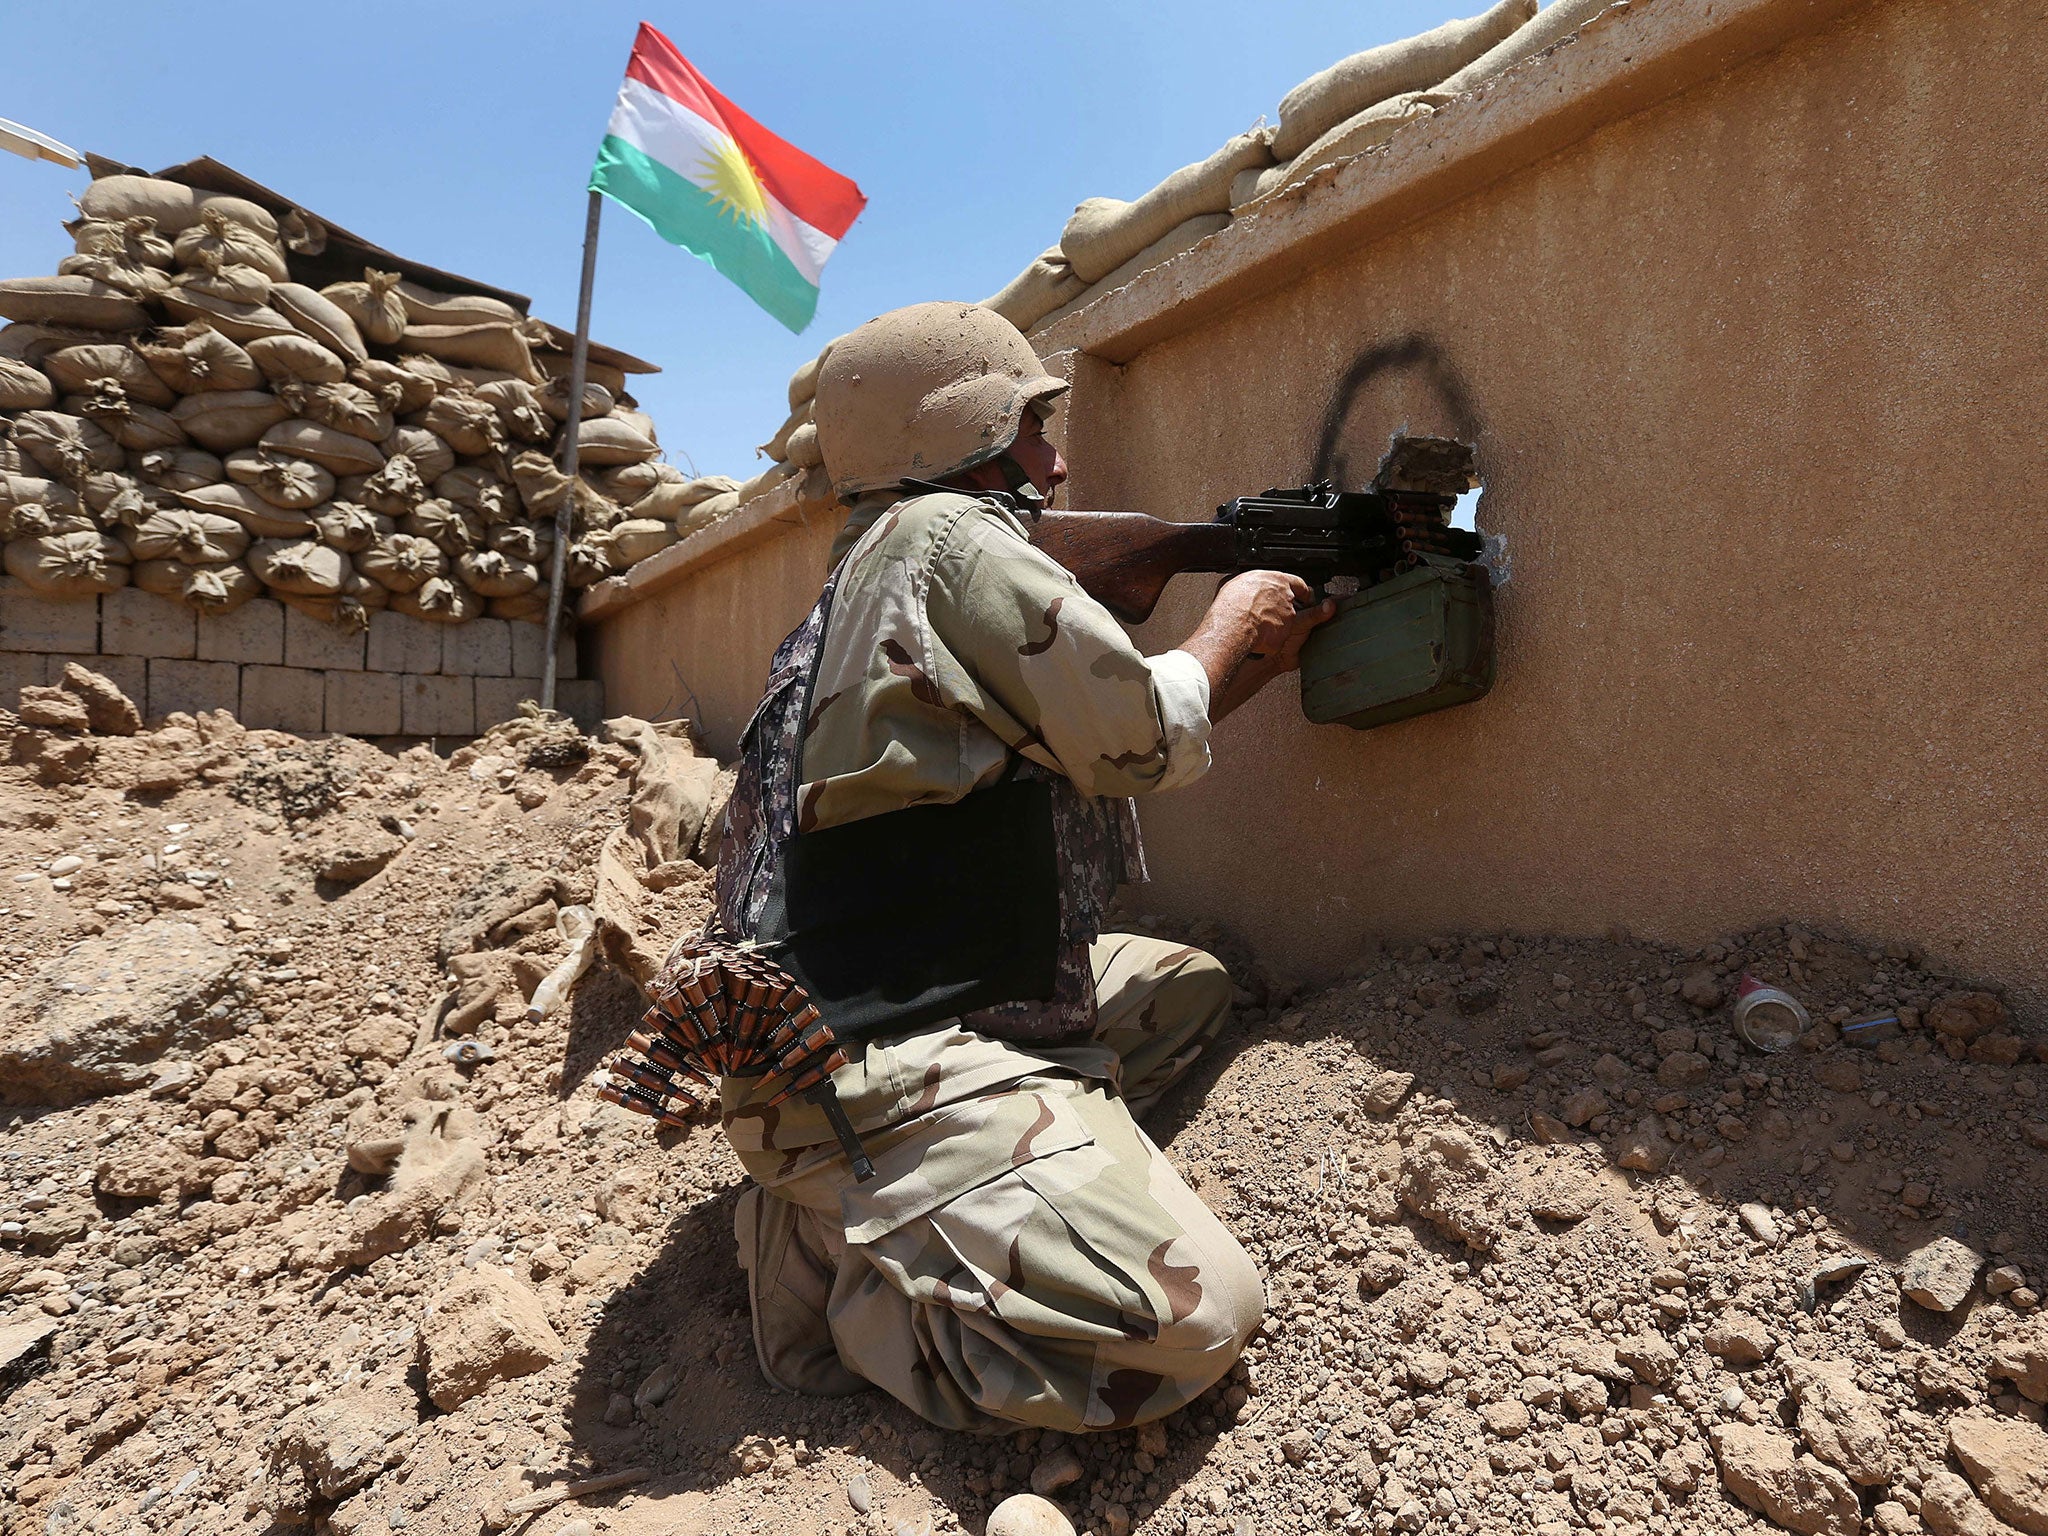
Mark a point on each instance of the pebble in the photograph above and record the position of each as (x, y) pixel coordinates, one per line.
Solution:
(1060, 1470)
(1938, 1275)
(70, 864)
(577, 1528)
(858, 1494)
(1026, 1514)
(1763, 1226)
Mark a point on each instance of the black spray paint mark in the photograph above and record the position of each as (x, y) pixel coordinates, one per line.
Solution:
(1417, 352)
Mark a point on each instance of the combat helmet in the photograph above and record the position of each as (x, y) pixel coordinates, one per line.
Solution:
(925, 392)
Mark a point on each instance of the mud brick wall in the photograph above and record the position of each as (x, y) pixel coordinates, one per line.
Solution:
(275, 668)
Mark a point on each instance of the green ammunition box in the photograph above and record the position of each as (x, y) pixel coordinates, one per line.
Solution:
(1420, 642)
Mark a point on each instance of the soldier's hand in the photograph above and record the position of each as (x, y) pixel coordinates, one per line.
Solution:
(1253, 633)
(1265, 606)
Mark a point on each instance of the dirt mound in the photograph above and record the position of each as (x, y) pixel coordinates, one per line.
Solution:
(1545, 1248)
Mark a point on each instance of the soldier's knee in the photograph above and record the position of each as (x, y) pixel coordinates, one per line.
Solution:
(1199, 987)
(1240, 1295)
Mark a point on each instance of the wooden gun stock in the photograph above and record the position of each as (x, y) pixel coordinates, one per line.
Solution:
(1124, 559)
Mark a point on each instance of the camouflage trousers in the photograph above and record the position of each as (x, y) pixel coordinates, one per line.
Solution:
(1026, 1255)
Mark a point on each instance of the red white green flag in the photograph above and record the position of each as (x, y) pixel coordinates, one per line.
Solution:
(707, 177)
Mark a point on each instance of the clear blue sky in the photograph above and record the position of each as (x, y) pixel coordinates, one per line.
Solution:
(461, 134)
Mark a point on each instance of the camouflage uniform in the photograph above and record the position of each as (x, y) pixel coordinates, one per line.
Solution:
(1026, 1256)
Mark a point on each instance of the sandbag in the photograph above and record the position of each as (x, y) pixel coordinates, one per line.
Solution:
(609, 440)
(69, 447)
(117, 500)
(133, 242)
(463, 422)
(497, 345)
(75, 370)
(320, 318)
(238, 322)
(18, 488)
(1164, 249)
(79, 301)
(345, 407)
(195, 360)
(528, 607)
(30, 341)
(803, 384)
(777, 446)
(522, 541)
(373, 304)
(489, 573)
(175, 206)
(1553, 24)
(636, 538)
(179, 469)
(212, 588)
(137, 428)
(218, 241)
(37, 519)
(430, 455)
(1416, 63)
(24, 387)
(350, 528)
(143, 284)
(589, 561)
(424, 306)
(803, 445)
(671, 498)
(407, 390)
(764, 482)
(295, 358)
(226, 419)
(440, 600)
(399, 562)
(554, 399)
(1354, 136)
(393, 490)
(519, 409)
(69, 565)
(297, 485)
(302, 567)
(478, 490)
(1103, 234)
(706, 513)
(329, 447)
(181, 533)
(244, 505)
(448, 528)
(627, 483)
(232, 282)
(556, 365)
(1049, 282)
(345, 611)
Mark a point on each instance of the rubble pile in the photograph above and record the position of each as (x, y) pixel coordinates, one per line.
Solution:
(181, 414)
(306, 1222)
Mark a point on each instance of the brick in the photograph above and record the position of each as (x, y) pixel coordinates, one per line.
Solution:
(401, 643)
(480, 648)
(497, 698)
(530, 650)
(192, 686)
(138, 623)
(130, 674)
(581, 699)
(253, 632)
(364, 703)
(437, 706)
(316, 644)
(284, 699)
(32, 623)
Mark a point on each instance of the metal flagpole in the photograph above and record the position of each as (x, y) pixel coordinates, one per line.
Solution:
(579, 363)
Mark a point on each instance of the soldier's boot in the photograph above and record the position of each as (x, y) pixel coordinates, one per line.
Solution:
(786, 1253)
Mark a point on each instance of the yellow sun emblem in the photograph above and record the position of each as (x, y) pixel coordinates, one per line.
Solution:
(726, 175)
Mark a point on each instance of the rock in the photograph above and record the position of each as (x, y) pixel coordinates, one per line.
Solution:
(1509, 1419)
(60, 757)
(1548, 1130)
(2004, 1280)
(1152, 1439)
(97, 1019)
(1026, 1514)
(618, 1410)
(630, 1198)
(1649, 1355)
(1739, 1339)
(1646, 1149)
(1683, 1069)
(53, 709)
(1960, 1016)
(1762, 1225)
(1840, 1072)
(1841, 1423)
(1385, 1093)
(1509, 1075)
(335, 1445)
(1765, 1471)
(659, 1386)
(1584, 1105)
(1701, 989)
(1381, 1270)
(1950, 1507)
(1939, 1275)
(1567, 1187)
(861, 1497)
(485, 1327)
(108, 711)
(381, 1037)
(1428, 1369)
(357, 854)
(2022, 1358)
(1060, 1470)
(2006, 1460)
(137, 1168)
(24, 1350)
(1297, 1445)
(1447, 1180)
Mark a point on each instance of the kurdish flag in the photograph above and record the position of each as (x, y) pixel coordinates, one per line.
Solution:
(709, 178)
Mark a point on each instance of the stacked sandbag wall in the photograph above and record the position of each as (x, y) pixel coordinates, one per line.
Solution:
(177, 415)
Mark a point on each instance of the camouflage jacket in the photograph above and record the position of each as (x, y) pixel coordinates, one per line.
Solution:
(951, 646)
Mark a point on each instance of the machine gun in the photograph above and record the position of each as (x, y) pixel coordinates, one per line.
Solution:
(1414, 625)
(1339, 542)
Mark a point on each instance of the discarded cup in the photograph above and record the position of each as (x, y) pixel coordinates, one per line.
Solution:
(1872, 1029)
(469, 1053)
(1769, 1019)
